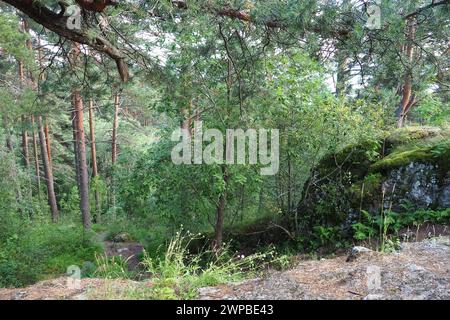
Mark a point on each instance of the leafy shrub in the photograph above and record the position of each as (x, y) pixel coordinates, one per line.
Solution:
(37, 250)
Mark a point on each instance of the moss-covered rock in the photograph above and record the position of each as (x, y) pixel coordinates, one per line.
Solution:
(408, 134)
(408, 169)
(402, 158)
(437, 152)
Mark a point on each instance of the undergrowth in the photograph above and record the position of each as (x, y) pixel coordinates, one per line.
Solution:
(37, 251)
(177, 274)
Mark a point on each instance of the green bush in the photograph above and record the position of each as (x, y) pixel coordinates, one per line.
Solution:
(38, 250)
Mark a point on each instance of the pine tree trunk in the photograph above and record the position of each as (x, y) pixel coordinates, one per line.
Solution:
(47, 141)
(26, 159)
(25, 155)
(36, 158)
(92, 137)
(48, 172)
(35, 85)
(73, 116)
(94, 157)
(82, 163)
(408, 99)
(115, 126)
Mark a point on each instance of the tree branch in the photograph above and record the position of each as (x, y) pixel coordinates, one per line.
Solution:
(431, 5)
(58, 24)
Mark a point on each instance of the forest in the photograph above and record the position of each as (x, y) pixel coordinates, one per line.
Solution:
(168, 149)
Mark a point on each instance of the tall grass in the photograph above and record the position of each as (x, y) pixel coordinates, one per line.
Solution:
(178, 274)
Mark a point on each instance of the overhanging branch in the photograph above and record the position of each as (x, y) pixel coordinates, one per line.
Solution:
(58, 24)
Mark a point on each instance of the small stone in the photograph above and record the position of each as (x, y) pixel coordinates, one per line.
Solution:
(373, 296)
(122, 237)
(355, 252)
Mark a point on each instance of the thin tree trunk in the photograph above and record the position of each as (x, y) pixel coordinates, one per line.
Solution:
(115, 126)
(94, 157)
(47, 141)
(35, 86)
(26, 159)
(92, 137)
(29, 45)
(82, 163)
(25, 155)
(73, 116)
(218, 232)
(48, 172)
(41, 61)
(36, 158)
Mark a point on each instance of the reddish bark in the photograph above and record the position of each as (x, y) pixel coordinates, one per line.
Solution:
(83, 178)
(408, 98)
(48, 172)
(36, 158)
(92, 137)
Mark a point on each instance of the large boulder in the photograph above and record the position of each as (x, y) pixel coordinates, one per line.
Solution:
(408, 170)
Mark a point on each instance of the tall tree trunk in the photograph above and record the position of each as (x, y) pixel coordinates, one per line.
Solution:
(47, 141)
(408, 98)
(94, 157)
(36, 158)
(92, 137)
(82, 163)
(35, 86)
(47, 171)
(115, 126)
(73, 116)
(25, 155)
(40, 61)
(29, 45)
(26, 159)
(220, 211)
(221, 205)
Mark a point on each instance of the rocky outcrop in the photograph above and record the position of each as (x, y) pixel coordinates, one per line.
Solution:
(417, 184)
(406, 171)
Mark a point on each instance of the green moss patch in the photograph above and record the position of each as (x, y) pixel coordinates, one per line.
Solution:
(437, 153)
(398, 159)
(408, 134)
